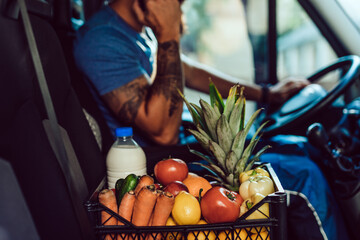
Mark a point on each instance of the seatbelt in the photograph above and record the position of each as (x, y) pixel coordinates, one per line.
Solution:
(71, 169)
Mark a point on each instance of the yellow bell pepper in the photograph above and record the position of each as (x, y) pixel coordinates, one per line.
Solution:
(256, 184)
(262, 212)
(251, 173)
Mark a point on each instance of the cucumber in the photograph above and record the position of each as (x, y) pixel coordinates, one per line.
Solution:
(123, 186)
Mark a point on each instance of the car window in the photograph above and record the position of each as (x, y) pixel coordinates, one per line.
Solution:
(352, 9)
(302, 50)
(216, 35)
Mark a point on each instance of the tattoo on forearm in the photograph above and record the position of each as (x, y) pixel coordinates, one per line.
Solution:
(134, 92)
(169, 74)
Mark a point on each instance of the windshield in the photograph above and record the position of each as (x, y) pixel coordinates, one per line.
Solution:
(352, 9)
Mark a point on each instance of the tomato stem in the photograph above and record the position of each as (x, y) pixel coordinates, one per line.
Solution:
(200, 191)
(230, 196)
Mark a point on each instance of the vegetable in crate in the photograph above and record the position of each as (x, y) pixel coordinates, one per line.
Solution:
(256, 184)
(144, 204)
(219, 205)
(262, 212)
(123, 186)
(108, 199)
(253, 172)
(144, 181)
(170, 170)
(222, 132)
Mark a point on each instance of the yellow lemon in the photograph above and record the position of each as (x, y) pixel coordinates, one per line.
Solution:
(201, 235)
(186, 209)
(172, 235)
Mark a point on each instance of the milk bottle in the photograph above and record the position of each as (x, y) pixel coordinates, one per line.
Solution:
(124, 157)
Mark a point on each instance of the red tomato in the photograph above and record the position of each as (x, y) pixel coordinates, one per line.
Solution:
(170, 170)
(219, 205)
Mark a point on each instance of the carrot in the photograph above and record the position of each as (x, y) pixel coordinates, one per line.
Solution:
(144, 205)
(158, 193)
(144, 180)
(127, 205)
(126, 208)
(108, 199)
(163, 207)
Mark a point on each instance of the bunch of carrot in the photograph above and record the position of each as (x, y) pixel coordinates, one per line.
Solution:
(145, 206)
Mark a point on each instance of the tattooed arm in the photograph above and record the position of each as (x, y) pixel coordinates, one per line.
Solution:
(156, 109)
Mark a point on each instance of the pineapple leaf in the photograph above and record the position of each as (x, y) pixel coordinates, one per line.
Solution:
(219, 153)
(259, 130)
(242, 120)
(239, 141)
(197, 108)
(203, 140)
(230, 161)
(203, 132)
(235, 117)
(201, 115)
(240, 165)
(217, 111)
(215, 97)
(202, 156)
(230, 101)
(230, 179)
(211, 117)
(194, 114)
(214, 178)
(224, 134)
(256, 157)
(214, 169)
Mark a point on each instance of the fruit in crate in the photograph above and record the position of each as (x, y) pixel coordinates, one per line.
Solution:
(221, 131)
(219, 205)
(169, 170)
(175, 188)
(186, 209)
(195, 182)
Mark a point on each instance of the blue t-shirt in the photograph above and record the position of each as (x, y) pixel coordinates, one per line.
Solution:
(110, 54)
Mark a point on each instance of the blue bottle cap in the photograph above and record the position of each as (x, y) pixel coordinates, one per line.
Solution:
(124, 132)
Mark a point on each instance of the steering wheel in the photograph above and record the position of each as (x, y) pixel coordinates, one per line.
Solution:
(312, 99)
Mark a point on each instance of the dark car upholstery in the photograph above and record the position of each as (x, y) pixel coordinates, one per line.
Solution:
(23, 141)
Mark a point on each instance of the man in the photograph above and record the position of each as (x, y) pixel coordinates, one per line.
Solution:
(135, 71)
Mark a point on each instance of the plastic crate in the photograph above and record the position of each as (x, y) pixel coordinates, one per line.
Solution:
(273, 227)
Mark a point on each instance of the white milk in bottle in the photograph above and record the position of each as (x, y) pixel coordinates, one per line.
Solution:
(124, 157)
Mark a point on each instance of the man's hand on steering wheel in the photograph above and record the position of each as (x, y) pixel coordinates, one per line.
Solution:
(286, 88)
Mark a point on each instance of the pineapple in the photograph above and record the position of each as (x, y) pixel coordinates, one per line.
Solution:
(222, 132)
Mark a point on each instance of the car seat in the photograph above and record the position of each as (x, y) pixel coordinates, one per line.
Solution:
(23, 141)
(62, 21)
